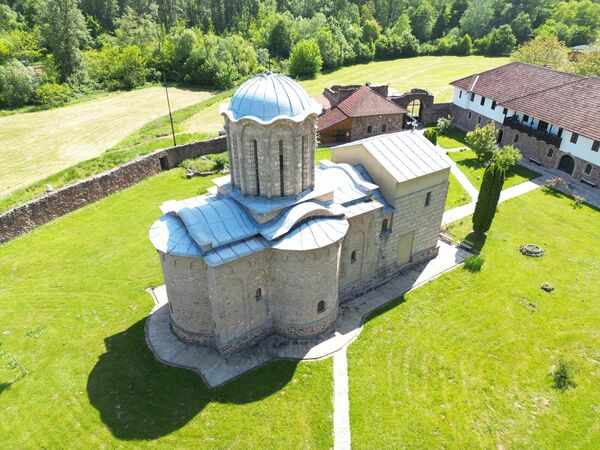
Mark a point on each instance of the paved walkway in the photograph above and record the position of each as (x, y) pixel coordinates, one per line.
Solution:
(217, 370)
(341, 402)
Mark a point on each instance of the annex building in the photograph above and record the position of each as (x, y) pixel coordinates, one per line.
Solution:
(275, 246)
(552, 117)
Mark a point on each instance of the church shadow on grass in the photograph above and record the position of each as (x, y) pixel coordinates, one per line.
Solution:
(140, 398)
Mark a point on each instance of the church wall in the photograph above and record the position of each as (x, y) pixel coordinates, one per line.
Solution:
(239, 310)
(300, 280)
(185, 280)
(393, 123)
(362, 238)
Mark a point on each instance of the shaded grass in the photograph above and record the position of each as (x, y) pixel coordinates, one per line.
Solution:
(457, 196)
(453, 139)
(467, 360)
(72, 311)
(473, 168)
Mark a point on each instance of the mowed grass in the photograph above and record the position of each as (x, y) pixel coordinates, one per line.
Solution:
(38, 144)
(454, 138)
(473, 168)
(72, 311)
(429, 72)
(465, 361)
(457, 196)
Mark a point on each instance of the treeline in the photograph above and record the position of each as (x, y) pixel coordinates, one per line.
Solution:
(52, 50)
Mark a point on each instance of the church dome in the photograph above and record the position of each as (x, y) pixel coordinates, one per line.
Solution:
(271, 96)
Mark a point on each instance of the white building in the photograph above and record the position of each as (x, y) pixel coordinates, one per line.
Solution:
(552, 117)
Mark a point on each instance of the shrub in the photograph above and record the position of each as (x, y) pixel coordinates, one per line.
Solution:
(198, 165)
(489, 195)
(220, 160)
(118, 68)
(52, 94)
(562, 377)
(474, 263)
(444, 124)
(17, 84)
(431, 134)
(482, 140)
(305, 60)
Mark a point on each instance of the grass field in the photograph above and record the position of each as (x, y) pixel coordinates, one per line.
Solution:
(72, 311)
(453, 139)
(35, 145)
(473, 168)
(429, 72)
(457, 196)
(465, 361)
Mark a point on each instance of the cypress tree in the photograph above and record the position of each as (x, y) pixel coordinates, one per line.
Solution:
(489, 195)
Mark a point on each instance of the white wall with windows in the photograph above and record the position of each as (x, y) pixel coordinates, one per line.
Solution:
(479, 105)
(581, 148)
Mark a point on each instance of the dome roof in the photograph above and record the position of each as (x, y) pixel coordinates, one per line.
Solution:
(271, 96)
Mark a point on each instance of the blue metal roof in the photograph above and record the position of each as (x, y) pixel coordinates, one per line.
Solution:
(270, 96)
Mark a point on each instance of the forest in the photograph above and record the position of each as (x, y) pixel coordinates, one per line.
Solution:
(54, 50)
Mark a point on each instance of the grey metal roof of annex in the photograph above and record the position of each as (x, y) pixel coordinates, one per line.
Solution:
(271, 96)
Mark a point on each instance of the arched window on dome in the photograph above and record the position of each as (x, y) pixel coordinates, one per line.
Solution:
(303, 156)
(281, 179)
(255, 148)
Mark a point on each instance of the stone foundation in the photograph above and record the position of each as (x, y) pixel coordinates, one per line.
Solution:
(307, 330)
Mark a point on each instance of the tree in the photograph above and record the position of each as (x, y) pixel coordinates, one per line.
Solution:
(521, 27)
(305, 60)
(477, 18)
(104, 11)
(442, 23)
(402, 26)
(370, 31)
(329, 48)
(542, 51)
(280, 38)
(491, 186)
(465, 46)
(501, 41)
(588, 64)
(482, 141)
(489, 195)
(64, 32)
(423, 19)
(17, 84)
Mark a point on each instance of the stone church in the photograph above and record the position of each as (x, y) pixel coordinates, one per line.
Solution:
(277, 245)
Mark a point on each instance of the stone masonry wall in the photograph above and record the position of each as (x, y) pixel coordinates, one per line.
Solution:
(393, 123)
(466, 123)
(21, 219)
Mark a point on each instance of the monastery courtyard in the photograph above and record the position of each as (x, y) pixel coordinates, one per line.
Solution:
(467, 355)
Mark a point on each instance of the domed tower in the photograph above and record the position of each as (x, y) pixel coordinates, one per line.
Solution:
(270, 126)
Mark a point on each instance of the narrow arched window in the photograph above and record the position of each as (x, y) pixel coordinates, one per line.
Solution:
(384, 128)
(255, 147)
(281, 168)
(370, 129)
(384, 225)
(353, 257)
(588, 169)
(321, 306)
(258, 294)
(304, 158)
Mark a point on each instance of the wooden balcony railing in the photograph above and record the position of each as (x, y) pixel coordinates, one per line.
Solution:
(544, 136)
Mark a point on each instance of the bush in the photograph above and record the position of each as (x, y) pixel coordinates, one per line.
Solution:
(562, 377)
(198, 165)
(220, 160)
(17, 84)
(444, 124)
(474, 263)
(305, 60)
(431, 134)
(52, 94)
(482, 140)
(117, 68)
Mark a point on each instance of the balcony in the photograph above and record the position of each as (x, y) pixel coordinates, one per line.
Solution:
(544, 136)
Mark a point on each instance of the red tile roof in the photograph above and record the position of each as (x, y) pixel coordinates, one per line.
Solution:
(331, 117)
(362, 102)
(324, 101)
(567, 100)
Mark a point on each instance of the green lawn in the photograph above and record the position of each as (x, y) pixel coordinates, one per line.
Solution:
(453, 139)
(464, 361)
(429, 72)
(473, 168)
(72, 311)
(457, 196)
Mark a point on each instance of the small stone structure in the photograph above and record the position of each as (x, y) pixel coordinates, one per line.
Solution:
(531, 250)
(277, 245)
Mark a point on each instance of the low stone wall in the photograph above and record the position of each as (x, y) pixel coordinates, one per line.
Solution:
(21, 219)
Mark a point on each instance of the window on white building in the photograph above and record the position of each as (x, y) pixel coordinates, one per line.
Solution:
(493, 104)
(472, 96)
(525, 118)
(482, 102)
(588, 169)
(505, 111)
(559, 134)
(596, 146)
(459, 94)
(574, 137)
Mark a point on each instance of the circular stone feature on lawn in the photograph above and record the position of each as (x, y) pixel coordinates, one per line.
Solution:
(531, 250)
